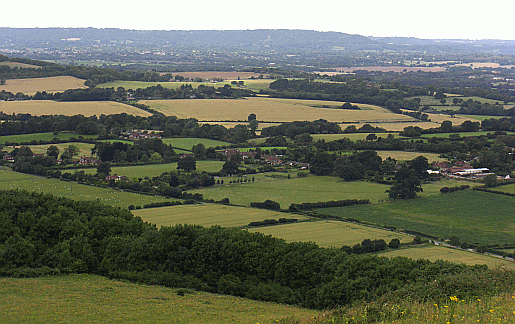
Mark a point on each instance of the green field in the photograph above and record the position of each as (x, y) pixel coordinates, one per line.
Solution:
(72, 190)
(255, 85)
(472, 216)
(84, 148)
(208, 215)
(506, 188)
(433, 253)
(352, 137)
(330, 233)
(40, 137)
(462, 134)
(82, 298)
(154, 170)
(187, 143)
(405, 156)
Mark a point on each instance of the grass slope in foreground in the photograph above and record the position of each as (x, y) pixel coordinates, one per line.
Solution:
(13, 180)
(473, 216)
(208, 215)
(94, 299)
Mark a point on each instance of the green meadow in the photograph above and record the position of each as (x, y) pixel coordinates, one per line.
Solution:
(187, 143)
(154, 170)
(84, 298)
(472, 216)
(13, 180)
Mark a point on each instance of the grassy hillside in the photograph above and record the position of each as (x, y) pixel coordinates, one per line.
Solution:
(94, 299)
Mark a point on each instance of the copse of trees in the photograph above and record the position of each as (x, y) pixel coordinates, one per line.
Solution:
(42, 234)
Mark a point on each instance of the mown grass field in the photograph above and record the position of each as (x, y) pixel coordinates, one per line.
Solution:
(352, 136)
(299, 190)
(82, 298)
(187, 143)
(154, 170)
(50, 84)
(86, 108)
(13, 180)
(434, 252)
(472, 216)
(330, 233)
(40, 137)
(404, 156)
(209, 215)
(20, 65)
(270, 110)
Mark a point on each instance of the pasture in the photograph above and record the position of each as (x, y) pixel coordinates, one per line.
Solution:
(50, 84)
(295, 190)
(84, 298)
(330, 233)
(433, 253)
(18, 65)
(154, 170)
(352, 136)
(84, 148)
(404, 156)
(187, 143)
(270, 110)
(13, 180)
(209, 215)
(472, 216)
(86, 108)
(24, 138)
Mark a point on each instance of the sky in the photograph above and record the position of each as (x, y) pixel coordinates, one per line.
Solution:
(450, 19)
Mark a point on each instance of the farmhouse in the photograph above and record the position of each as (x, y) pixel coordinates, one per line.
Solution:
(86, 160)
(8, 158)
(115, 178)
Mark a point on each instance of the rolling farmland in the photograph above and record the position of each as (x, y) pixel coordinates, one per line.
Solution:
(187, 143)
(270, 110)
(50, 84)
(86, 108)
(40, 137)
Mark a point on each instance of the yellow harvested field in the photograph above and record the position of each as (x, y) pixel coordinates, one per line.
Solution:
(433, 253)
(84, 148)
(20, 65)
(330, 233)
(86, 108)
(50, 84)
(217, 75)
(405, 156)
(271, 110)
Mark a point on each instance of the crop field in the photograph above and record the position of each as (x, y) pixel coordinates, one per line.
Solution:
(86, 108)
(154, 170)
(330, 233)
(20, 65)
(404, 156)
(472, 216)
(187, 143)
(13, 180)
(270, 110)
(84, 148)
(50, 84)
(433, 253)
(352, 137)
(83, 298)
(255, 85)
(209, 215)
(40, 137)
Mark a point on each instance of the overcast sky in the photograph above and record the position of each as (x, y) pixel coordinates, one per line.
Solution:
(492, 19)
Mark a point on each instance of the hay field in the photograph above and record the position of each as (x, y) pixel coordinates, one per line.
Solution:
(218, 75)
(84, 148)
(40, 137)
(271, 110)
(330, 233)
(186, 143)
(404, 156)
(256, 84)
(85, 298)
(13, 180)
(351, 136)
(434, 253)
(86, 108)
(209, 215)
(20, 65)
(50, 84)
(396, 126)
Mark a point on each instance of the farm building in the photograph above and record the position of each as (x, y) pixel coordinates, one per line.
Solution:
(86, 160)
